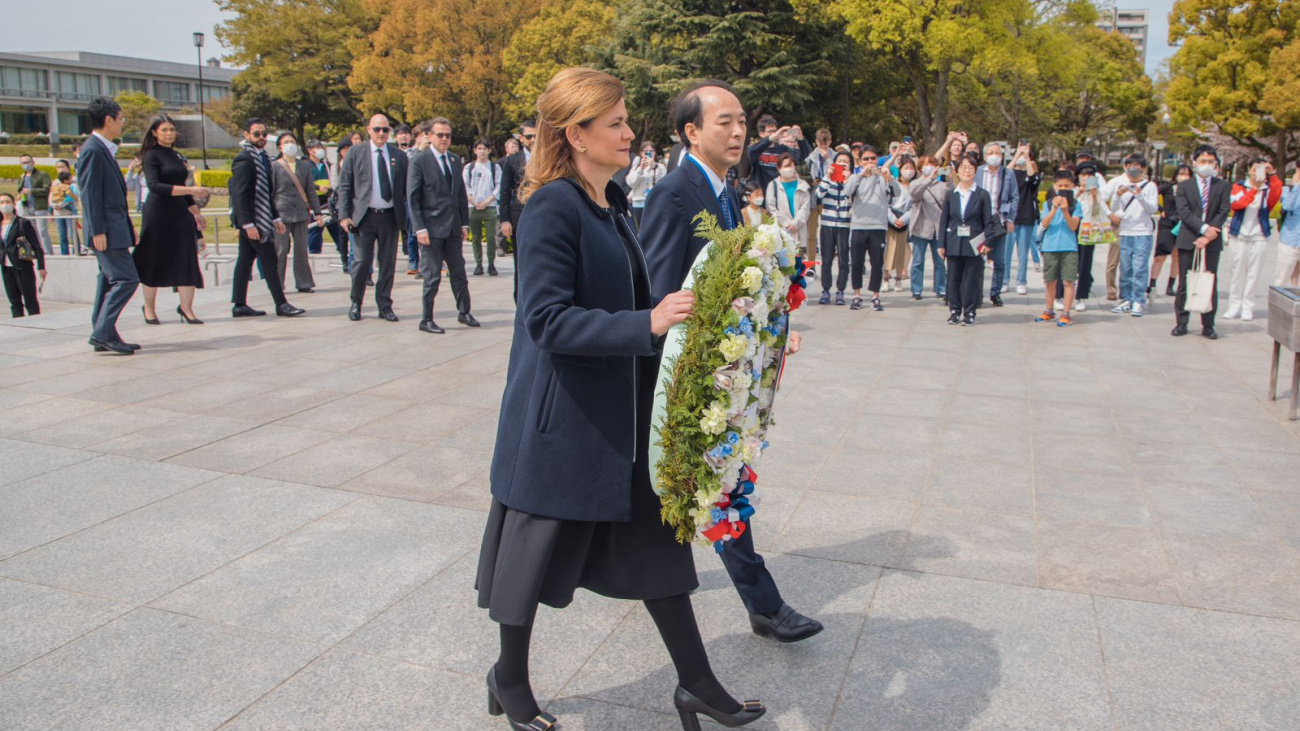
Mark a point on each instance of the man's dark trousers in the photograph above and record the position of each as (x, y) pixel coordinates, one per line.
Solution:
(1185, 257)
(450, 250)
(263, 250)
(377, 232)
(757, 589)
(116, 285)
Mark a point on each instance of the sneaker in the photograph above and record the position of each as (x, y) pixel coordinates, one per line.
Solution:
(478, 271)
(857, 304)
(1047, 316)
(875, 304)
(1022, 289)
(996, 300)
(1137, 309)
(917, 297)
(888, 287)
(1247, 315)
(1232, 313)
(1122, 308)
(1080, 306)
(839, 298)
(954, 318)
(826, 298)
(968, 321)
(1058, 305)
(1064, 320)
(941, 295)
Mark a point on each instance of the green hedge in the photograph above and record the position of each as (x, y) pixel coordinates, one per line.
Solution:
(15, 172)
(212, 178)
(40, 139)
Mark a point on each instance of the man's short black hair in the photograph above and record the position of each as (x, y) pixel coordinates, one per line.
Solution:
(1084, 153)
(345, 143)
(248, 123)
(1136, 158)
(20, 158)
(527, 123)
(1206, 149)
(402, 128)
(688, 107)
(1064, 174)
(868, 148)
(765, 122)
(100, 109)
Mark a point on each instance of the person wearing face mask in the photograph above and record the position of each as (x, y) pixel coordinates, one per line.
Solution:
(833, 226)
(965, 223)
(1095, 228)
(1248, 233)
(754, 209)
(1000, 183)
(299, 206)
(324, 183)
(644, 175)
(167, 255)
(19, 271)
(927, 192)
(34, 198)
(1167, 231)
(789, 199)
(870, 194)
(898, 253)
(1025, 241)
(1134, 202)
(1204, 204)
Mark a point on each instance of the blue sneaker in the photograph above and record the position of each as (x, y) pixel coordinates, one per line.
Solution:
(826, 298)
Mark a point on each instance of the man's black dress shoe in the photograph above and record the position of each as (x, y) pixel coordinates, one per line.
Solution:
(492, 270)
(354, 312)
(467, 319)
(1210, 333)
(306, 290)
(784, 625)
(996, 300)
(245, 311)
(478, 270)
(288, 310)
(429, 326)
(1179, 331)
(388, 314)
(113, 346)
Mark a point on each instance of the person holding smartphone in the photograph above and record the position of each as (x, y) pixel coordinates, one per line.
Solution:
(642, 178)
(1248, 233)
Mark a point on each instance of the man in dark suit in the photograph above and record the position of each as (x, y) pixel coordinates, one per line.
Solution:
(440, 214)
(108, 225)
(676, 154)
(509, 207)
(999, 182)
(372, 200)
(252, 209)
(711, 122)
(1204, 204)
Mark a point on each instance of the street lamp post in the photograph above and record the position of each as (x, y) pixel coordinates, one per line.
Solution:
(1165, 120)
(203, 123)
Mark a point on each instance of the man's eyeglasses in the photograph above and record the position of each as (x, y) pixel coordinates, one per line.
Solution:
(530, 137)
(441, 135)
(257, 135)
(381, 130)
(870, 159)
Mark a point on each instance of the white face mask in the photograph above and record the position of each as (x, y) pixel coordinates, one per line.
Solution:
(993, 160)
(1205, 171)
(756, 202)
(7, 209)
(29, 166)
(787, 173)
(290, 150)
(908, 174)
(928, 171)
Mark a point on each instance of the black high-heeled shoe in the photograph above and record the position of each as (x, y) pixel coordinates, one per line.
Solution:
(688, 706)
(186, 318)
(147, 321)
(543, 722)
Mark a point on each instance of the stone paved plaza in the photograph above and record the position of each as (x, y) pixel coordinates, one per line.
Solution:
(273, 524)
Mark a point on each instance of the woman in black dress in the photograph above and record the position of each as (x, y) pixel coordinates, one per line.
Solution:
(572, 502)
(167, 255)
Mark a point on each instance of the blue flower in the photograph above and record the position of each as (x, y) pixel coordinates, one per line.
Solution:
(747, 326)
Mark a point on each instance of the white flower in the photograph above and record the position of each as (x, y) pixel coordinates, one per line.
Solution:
(752, 279)
(714, 420)
(760, 313)
(733, 347)
(741, 383)
(767, 238)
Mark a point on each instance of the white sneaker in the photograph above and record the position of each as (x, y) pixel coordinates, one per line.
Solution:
(1022, 289)
(887, 287)
(1247, 315)
(1122, 307)
(1137, 309)
(1058, 305)
(1079, 306)
(1232, 313)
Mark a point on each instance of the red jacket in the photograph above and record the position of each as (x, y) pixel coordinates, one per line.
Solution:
(1243, 195)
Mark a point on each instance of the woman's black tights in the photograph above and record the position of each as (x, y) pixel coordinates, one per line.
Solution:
(681, 635)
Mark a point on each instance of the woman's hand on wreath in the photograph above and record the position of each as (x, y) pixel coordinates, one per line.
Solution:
(673, 309)
(792, 345)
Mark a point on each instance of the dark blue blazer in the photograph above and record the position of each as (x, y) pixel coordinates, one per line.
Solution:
(103, 196)
(978, 216)
(568, 427)
(668, 225)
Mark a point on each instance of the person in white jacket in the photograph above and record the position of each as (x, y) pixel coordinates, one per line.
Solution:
(1134, 203)
(643, 177)
(789, 199)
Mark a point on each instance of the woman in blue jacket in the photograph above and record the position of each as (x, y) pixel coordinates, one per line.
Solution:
(572, 501)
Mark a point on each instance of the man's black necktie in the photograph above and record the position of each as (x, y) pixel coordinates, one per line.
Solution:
(446, 168)
(385, 182)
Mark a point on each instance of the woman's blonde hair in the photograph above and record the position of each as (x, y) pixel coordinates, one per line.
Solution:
(574, 96)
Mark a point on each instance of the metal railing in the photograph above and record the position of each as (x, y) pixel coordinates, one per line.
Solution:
(214, 216)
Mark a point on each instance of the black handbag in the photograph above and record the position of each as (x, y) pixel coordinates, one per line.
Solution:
(23, 247)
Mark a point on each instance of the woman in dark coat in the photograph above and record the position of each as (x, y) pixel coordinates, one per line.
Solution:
(964, 223)
(19, 273)
(168, 255)
(572, 502)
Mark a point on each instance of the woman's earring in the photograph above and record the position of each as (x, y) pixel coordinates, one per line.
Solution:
(582, 149)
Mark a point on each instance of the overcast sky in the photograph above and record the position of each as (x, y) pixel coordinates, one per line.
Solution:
(151, 29)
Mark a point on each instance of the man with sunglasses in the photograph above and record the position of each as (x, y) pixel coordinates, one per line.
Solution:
(252, 209)
(372, 200)
(440, 211)
(509, 207)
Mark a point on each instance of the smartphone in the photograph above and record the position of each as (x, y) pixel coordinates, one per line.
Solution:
(649, 154)
(1068, 195)
(837, 173)
(1023, 142)
(907, 140)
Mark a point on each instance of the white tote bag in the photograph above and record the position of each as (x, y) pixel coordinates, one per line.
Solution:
(1200, 286)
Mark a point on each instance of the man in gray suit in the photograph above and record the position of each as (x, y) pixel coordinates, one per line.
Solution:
(108, 224)
(372, 201)
(440, 215)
